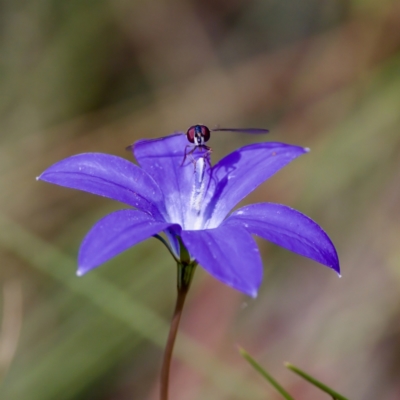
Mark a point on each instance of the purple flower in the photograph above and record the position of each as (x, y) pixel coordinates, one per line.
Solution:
(190, 203)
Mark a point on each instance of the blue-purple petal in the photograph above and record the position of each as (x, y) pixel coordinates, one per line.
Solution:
(114, 234)
(240, 172)
(288, 228)
(108, 176)
(229, 255)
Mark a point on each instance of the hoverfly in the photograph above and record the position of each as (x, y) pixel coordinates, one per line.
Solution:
(200, 134)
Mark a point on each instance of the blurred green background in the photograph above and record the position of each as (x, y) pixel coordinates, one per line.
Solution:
(84, 75)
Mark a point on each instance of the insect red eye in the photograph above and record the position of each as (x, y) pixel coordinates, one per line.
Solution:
(205, 132)
(197, 132)
(191, 133)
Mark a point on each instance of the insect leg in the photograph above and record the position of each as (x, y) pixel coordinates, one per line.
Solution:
(186, 153)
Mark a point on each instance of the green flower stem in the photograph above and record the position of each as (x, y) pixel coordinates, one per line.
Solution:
(185, 275)
(326, 389)
(265, 374)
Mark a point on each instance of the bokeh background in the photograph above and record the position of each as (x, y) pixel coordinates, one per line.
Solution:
(84, 75)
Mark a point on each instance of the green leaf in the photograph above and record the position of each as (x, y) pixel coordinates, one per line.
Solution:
(265, 374)
(313, 381)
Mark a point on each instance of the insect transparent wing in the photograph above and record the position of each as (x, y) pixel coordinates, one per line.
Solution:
(253, 131)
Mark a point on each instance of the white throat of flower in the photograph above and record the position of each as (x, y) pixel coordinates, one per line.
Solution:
(195, 220)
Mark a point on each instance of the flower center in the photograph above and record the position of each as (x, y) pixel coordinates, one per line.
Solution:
(194, 219)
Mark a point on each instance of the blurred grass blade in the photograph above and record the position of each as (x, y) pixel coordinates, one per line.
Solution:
(11, 323)
(313, 381)
(265, 374)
